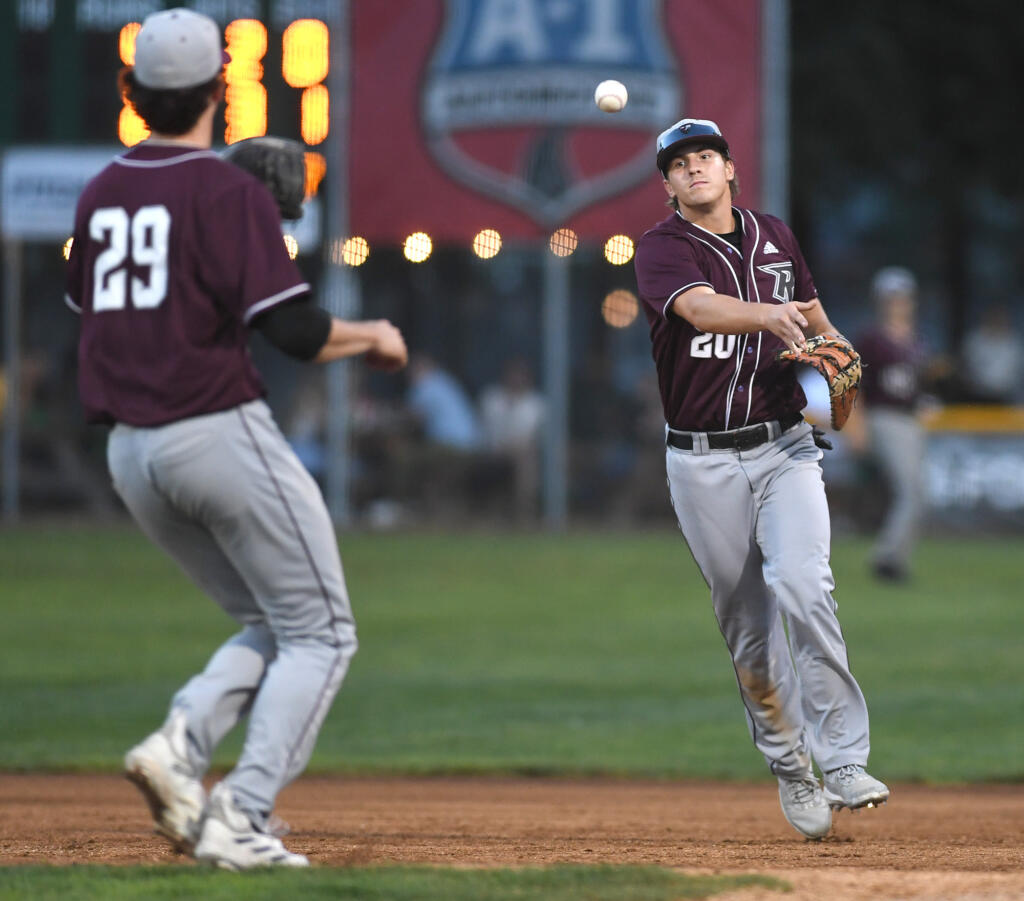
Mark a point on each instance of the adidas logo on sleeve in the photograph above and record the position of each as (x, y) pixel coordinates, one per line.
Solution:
(770, 248)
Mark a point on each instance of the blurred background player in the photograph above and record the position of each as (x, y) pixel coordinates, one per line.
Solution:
(887, 421)
(725, 289)
(176, 254)
(993, 357)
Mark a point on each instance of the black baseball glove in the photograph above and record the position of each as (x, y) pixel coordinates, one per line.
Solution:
(277, 162)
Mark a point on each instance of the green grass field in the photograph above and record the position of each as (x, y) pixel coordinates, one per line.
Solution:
(587, 653)
(564, 883)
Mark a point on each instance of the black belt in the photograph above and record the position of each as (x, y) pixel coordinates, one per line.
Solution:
(740, 439)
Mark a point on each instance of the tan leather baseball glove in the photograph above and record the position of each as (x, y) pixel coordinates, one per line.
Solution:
(839, 364)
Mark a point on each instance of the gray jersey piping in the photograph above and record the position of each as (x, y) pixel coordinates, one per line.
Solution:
(173, 161)
(677, 292)
(757, 295)
(739, 356)
(268, 302)
(746, 337)
(711, 234)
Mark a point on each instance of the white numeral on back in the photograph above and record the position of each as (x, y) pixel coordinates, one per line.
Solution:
(703, 345)
(149, 230)
(108, 282)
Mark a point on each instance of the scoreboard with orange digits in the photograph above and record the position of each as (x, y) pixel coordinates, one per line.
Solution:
(59, 61)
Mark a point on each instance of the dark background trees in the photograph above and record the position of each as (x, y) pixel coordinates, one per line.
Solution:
(906, 132)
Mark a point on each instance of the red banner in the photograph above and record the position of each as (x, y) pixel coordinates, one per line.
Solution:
(473, 114)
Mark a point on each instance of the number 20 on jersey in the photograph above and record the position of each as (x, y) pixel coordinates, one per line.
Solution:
(704, 345)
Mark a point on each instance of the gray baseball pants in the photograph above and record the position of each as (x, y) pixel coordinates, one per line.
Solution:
(898, 443)
(757, 523)
(226, 497)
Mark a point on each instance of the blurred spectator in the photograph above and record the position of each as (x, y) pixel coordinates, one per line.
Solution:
(442, 406)
(56, 470)
(379, 440)
(305, 425)
(512, 414)
(600, 424)
(438, 469)
(886, 423)
(993, 358)
(638, 491)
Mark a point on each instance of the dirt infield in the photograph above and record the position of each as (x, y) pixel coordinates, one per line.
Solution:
(934, 843)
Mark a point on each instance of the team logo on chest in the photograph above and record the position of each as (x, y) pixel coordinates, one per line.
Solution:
(784, 288)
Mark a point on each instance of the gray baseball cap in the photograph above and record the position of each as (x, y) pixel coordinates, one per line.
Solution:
(178, 48)
(893, 280)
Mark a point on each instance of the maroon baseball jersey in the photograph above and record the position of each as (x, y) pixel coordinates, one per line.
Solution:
(715, 382)
(175, 252)
(892, 369)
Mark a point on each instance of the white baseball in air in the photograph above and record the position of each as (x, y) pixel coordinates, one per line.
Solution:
(611, 96)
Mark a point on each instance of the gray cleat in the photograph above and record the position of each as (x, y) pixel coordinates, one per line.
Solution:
(850, 786)
(804, 805)
(230, 841)
(160, 769)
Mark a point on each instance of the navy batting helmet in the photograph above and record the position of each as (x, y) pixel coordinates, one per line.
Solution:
(689, 131)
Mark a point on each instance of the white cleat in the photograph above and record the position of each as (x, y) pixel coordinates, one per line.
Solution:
(805, 807)
(229, 840)
(160, 769)
(850, 786)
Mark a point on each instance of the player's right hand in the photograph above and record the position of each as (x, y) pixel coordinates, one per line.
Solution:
(389, 352)
(787, 321)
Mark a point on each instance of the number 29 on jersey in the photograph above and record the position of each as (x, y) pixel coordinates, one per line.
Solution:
(141, 238)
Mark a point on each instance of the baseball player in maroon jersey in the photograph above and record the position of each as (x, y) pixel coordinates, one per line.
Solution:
(890, 415)
(724, 289)
(177, 254)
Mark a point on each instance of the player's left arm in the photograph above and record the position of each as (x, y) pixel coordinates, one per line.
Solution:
(382, 343)
(292, 324)
(309, 333)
